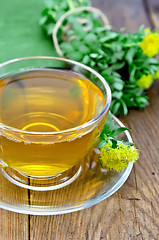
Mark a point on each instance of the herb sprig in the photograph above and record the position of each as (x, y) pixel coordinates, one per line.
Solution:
(121, 58)
(125, 60)
(115, 153)
(55, 9)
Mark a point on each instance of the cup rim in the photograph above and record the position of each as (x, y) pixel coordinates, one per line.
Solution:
(80, 127)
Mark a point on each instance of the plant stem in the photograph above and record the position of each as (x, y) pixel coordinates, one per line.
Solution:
(131, 45)
(124, 45)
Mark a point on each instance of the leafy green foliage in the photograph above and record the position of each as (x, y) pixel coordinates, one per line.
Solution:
(117, 56)
(119, 59)
(55, 9)
(109, 132)
(115, 154)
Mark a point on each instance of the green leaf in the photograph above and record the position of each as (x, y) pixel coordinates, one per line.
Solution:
(142, 102)
(117, 75)
(111, 35)
(92, 63)
(115, 108)
(94, 55)
(124, 107)
(114, 143)
(86, 60)
(70, 32)
(118, 131)
(77, 56)
(102, 66)
(130, 54)
(116, 46)
(142, 30)
(78, 29)
(101, 144)
(129, 143)
(66, 47)
(109, 126)
(90, 38)
(118, 85)
(84, 49)
(117, 94)
(43, 20)
(117, 66)
(49, 28)
(103, 29)
(132, 74)
(76, 43)
(117, 56)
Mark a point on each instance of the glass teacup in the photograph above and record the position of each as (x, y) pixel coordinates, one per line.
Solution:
(52, 111)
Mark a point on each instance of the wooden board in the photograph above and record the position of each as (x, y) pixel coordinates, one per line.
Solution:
(152, 9)
(13, 226)
(128, 14)
(132, 213)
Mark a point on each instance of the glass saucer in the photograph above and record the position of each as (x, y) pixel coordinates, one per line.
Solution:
(93, 185)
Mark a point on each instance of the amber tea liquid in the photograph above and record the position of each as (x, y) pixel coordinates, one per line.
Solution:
(47, 100)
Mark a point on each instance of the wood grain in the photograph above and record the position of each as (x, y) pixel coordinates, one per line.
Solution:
(145, 127)
(13, 226)
(128, 14)
(132, 213)
(153, 11)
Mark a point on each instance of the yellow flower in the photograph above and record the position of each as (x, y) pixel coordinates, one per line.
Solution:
(118, 158)
(150, 44)
(145, 81)
(156, 76)
(147, 30)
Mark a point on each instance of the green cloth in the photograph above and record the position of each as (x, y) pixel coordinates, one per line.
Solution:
(20, 33)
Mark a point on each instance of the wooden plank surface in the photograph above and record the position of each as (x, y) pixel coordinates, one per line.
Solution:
(132, 213)
(128, 14)
(152, 7)
(13, 226)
